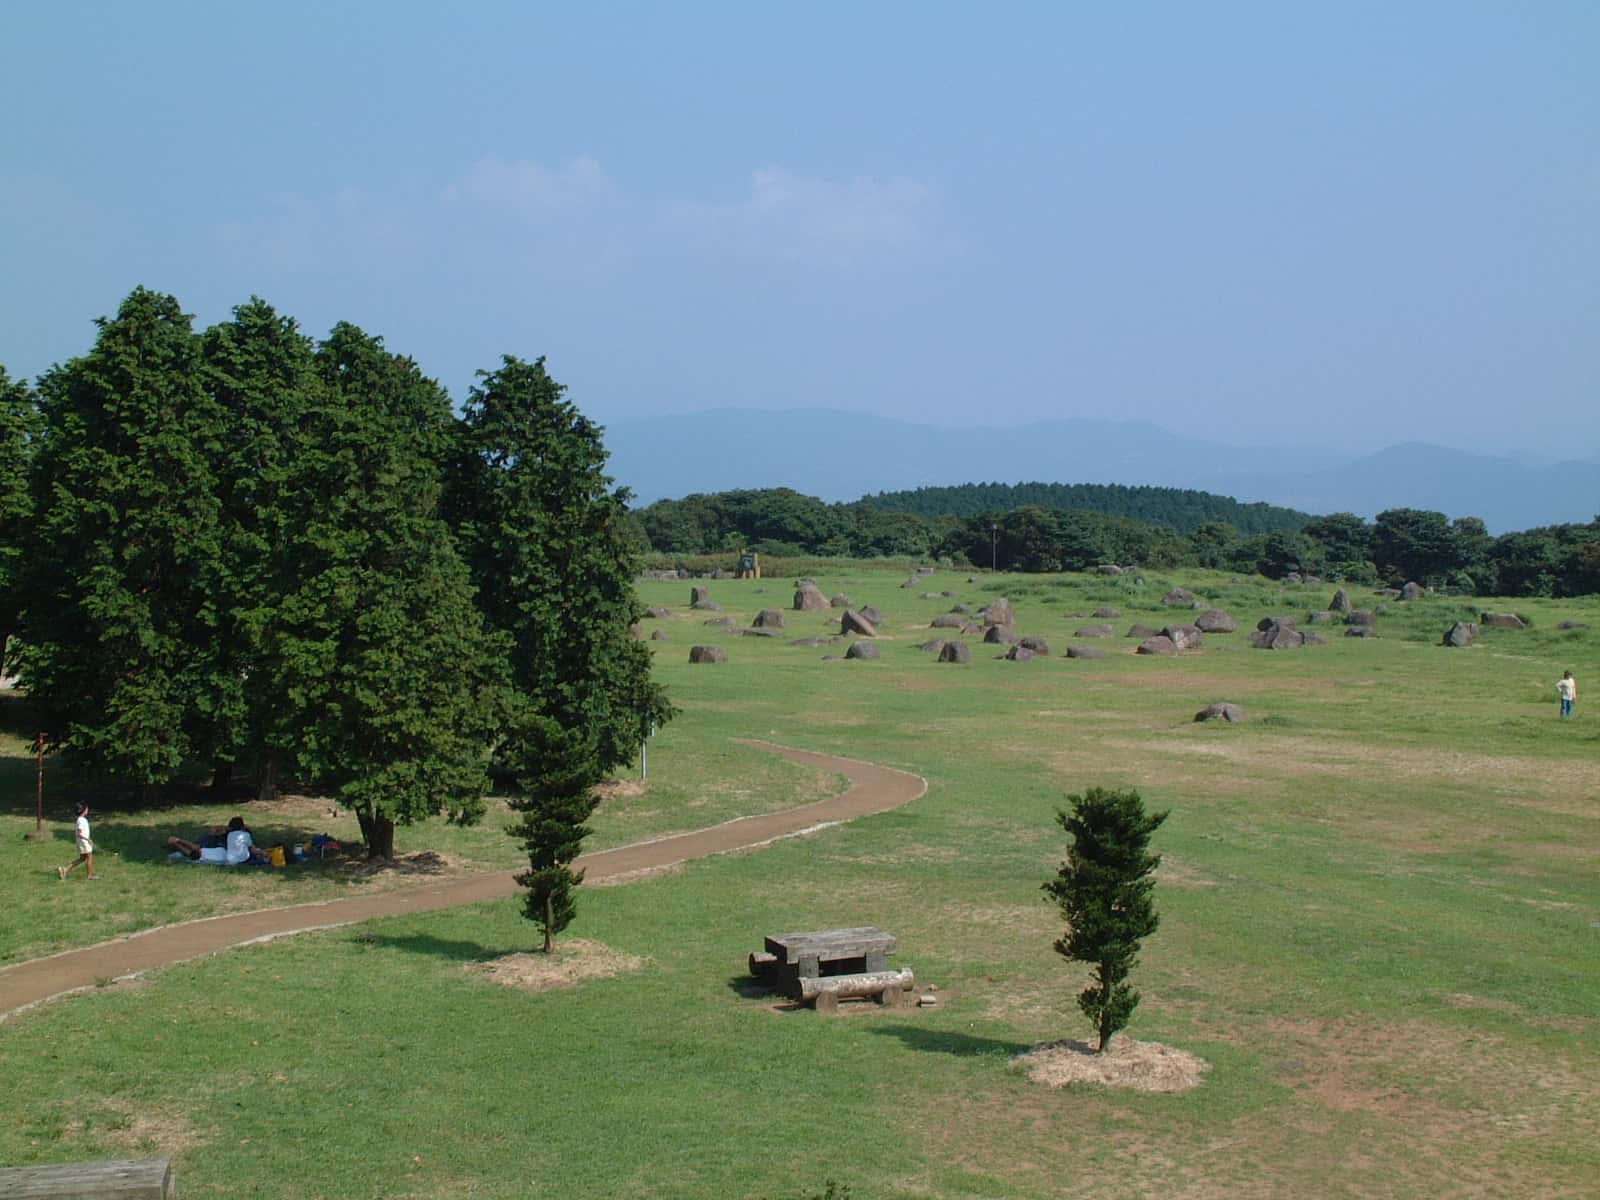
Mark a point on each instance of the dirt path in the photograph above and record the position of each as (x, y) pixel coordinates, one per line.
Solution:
(872, 789)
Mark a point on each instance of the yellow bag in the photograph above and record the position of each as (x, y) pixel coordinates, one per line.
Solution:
(275, 856)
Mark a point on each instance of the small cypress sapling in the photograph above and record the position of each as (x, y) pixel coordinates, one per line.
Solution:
(1104, 890)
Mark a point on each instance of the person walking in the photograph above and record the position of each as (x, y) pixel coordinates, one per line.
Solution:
(85, 845)
(1567, 688)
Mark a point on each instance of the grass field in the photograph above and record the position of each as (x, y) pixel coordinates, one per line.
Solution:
(1381, 928)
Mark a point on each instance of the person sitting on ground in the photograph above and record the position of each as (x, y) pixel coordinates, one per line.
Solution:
(238, 847)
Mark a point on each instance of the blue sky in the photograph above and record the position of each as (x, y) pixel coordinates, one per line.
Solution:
(1353, 223)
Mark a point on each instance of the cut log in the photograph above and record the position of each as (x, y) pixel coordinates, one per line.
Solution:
(872, 983)
(122, 1179)
(762, 965)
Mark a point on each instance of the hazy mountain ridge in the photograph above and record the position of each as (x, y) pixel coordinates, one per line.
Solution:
(838, 456)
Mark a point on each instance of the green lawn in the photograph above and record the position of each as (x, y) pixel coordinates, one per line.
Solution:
(1381, 926)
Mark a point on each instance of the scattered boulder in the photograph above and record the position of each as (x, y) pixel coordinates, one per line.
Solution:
(1462, 633)
(1571, 625)
(948, 621)
(1388, 593)
(1160, 644)
(872, 615)
(1178, 598)
(1184, 637)
(768, 618)
(660, 635)
(1019, 653)
(719, 622)
(1231, 713)
(999, 613)
(707, 654)
(1110, 569)
(1340, 602)
(934, 645)
(658, 613)
(1141, 631)
(839, 601)
(1324, 618)
(914, 581)
(854, 622)
(862, 650)
(636, 631)
(1361, 616)
(1411, 591)
(699, 596)
(956, 652)
(1500, 620)
(1096, 631)
(1360, 631)
(1085, 652)
(1035, 643)
(1313, 639)
(811, 642)
(768, 633)
(999, 635)
(965, 609)
(1267, 623)
(1276, 634)
(1107, 613)
(1214, 620)
(808, 597)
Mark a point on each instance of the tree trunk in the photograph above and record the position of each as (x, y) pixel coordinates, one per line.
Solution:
(378, 830)
(549, 925)
(267, 777)
(1105, 1007)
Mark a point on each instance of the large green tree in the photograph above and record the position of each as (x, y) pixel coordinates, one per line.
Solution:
(19, 435)
(118, 618)
(543, 532)
(1105, 892)
(390, 685)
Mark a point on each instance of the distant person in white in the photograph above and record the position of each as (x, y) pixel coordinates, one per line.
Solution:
(85, 845)
(1567, 688)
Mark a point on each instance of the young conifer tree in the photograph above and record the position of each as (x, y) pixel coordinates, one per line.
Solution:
(1104, 890)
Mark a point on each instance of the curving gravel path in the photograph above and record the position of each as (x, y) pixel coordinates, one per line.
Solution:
(872, 789)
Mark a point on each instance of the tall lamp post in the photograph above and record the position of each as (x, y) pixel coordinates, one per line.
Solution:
(994, 539)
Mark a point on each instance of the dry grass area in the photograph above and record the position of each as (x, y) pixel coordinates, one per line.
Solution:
(573, 962)
(1127, 1063)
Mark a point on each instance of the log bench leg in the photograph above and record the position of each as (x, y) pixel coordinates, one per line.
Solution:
(826, 1002)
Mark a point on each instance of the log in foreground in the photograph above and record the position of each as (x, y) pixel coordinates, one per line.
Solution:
(121, 1179)
(871, 983)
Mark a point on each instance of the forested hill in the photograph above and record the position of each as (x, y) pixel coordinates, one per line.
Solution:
(1178, 509)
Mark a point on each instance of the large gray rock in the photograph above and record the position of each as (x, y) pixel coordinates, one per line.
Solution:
(839, 601)
(700, 597)
(999, 635)
(862, 650)
(872, 615)
(1360, 631)
(1324, 618)
(854, 622)
(658, 613)
(934, 645)
(1085, 652)
(1019, 653)
(1267, 623)
(956, 652)
(1159, 644)
(1462, 633)
(808, 597)
(1277, 635)
(1223, 711)
(811, 642)
(1411, 591)
(768, 618)
(999, 612)
(1109, 569)
(1214, 620)
(719, 622)
(1137, 630)
(660, 635)
(1035, 643)
(1107, 613)
(1096, 631)
(1184, 637)
(948, 621)
(1178, 598)
(1361, 616)
(1571, 625)
(1340, 602)
(707, 654)
(1501, 620)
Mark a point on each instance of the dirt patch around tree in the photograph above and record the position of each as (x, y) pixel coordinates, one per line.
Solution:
(573, 962)
(1142, 1066)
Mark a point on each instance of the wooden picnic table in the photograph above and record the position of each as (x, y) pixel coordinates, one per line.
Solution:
(797, 964)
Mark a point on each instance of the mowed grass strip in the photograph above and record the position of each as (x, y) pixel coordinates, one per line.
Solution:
(1381, 927)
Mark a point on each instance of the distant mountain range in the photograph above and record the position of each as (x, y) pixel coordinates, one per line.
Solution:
(844, 456)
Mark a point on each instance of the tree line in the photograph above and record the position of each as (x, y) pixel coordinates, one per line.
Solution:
(243, 551)
(1399, 544)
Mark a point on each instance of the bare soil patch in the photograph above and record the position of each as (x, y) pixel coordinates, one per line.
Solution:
(572, 963)
(1143, 1066)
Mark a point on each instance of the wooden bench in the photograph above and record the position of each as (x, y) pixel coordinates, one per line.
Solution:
(822, 967)
(117, 1179)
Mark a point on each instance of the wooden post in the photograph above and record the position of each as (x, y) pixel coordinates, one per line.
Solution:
(37, 833)
(121, 1179)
